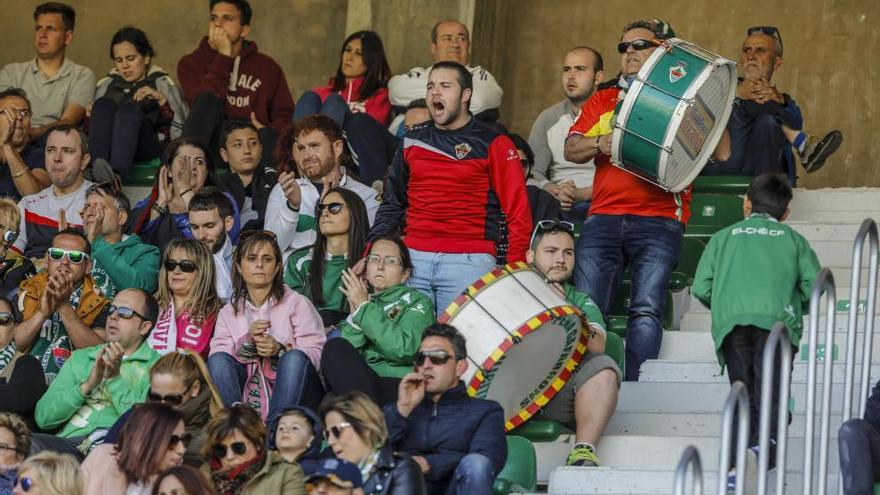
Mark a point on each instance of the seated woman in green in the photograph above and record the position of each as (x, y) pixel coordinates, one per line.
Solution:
(316, 271)
(381, 336)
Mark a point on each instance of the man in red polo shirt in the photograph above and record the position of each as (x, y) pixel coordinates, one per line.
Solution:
(631, 223)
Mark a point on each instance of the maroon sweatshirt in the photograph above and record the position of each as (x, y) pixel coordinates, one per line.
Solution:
(251, 82)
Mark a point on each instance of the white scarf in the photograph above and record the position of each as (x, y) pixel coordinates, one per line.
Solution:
(163, 338)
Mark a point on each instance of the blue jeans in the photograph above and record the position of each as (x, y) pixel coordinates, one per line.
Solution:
(649, 247)
(443, 276)
(859, 445)
(296, 381)
(474, 475)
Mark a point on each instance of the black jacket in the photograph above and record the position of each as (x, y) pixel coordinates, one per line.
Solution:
(446, 431)
(394, 474)
(263, 181)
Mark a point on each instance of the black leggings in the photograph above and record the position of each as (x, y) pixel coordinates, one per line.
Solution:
(345, 370)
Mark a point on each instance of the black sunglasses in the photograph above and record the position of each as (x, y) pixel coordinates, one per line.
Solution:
(336, 430)
(636, 44)
(6, 318)
(438, 358)
(184, 439)
(334, 208)
(186, 266)
(768, 30)
(219, 450)
(124, 312)
(173, 399)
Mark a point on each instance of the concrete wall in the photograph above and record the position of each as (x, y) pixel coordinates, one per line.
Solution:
(830, 46)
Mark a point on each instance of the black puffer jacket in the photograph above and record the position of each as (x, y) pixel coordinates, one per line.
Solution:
(263, 181)
(395, 474)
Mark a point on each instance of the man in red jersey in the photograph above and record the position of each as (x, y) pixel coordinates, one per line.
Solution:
(457, 191)
(631, 223)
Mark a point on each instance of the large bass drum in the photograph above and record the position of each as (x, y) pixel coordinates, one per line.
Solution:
(524, 340)
(673, 114)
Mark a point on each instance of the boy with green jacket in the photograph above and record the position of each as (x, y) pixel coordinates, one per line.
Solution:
(751, 275)
(98, 384)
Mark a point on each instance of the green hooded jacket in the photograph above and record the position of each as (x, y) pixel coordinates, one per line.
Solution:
(130, 263)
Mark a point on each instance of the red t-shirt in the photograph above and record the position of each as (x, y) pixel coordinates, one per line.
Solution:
(616, 191)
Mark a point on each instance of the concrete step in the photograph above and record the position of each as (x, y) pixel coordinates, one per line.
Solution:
(669, 371)
(658, 452)
(607, 481)
(699, 346)
(695, 424)
(828, 231)
(658, 397)
(849, 205)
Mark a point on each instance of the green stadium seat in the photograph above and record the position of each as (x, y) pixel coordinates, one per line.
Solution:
(688, 258)
(711, 213)
(143, 174)
(876, 488)
(520, 473)
(723, 184)
(614, 347)
(538, 429)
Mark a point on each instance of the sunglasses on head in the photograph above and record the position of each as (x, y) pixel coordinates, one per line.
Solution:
(635, 44)
(438, 358)
(336, 430)
(768, 30)
(334, 208)
(186, 266)
(75, 257)
(25, 483)
(173, 399)
(548, 226)
(9, 236)
(124, 312)
(219, 450)
(6, 318)
(184, 439)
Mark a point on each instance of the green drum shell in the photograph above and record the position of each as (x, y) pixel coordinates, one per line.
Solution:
(652, 112)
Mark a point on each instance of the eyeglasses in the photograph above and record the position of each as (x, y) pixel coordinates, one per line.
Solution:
(124, 312)
(184, 439)
(25, 483)
(9, 236)
(336, 430)
(186, 266)
(5, 319)
(4, 446)
(334, 208)
(547, 226)
(173, 399)
(438, 358)
(20, 112)
(219, 450)
(768, 30)
(75, 257)
(637, 45)
(385, 260)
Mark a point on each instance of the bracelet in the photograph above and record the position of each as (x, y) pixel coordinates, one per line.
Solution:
(161, 210)
(15, 176)
(291, 207)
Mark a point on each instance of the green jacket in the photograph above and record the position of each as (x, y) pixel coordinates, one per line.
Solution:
(130, 263)
(586, 305)
(276, 477)
(756, 272)
(387, 330)
(296, 276)
(64, 404)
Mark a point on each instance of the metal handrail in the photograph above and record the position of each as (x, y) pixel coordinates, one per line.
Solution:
(737, 400)
(690, 457)
(824, 285)
(778, 338)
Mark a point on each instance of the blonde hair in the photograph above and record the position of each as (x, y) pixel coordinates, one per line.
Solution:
(189, 368)
(55, 474)
(9, 210)
(19, 430)
(202, 300)
(364, 415)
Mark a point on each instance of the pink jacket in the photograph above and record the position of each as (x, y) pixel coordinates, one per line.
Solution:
(376, 106)
(101, 474)
(296, 324)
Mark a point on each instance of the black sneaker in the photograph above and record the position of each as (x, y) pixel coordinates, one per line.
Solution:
(816, 150)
